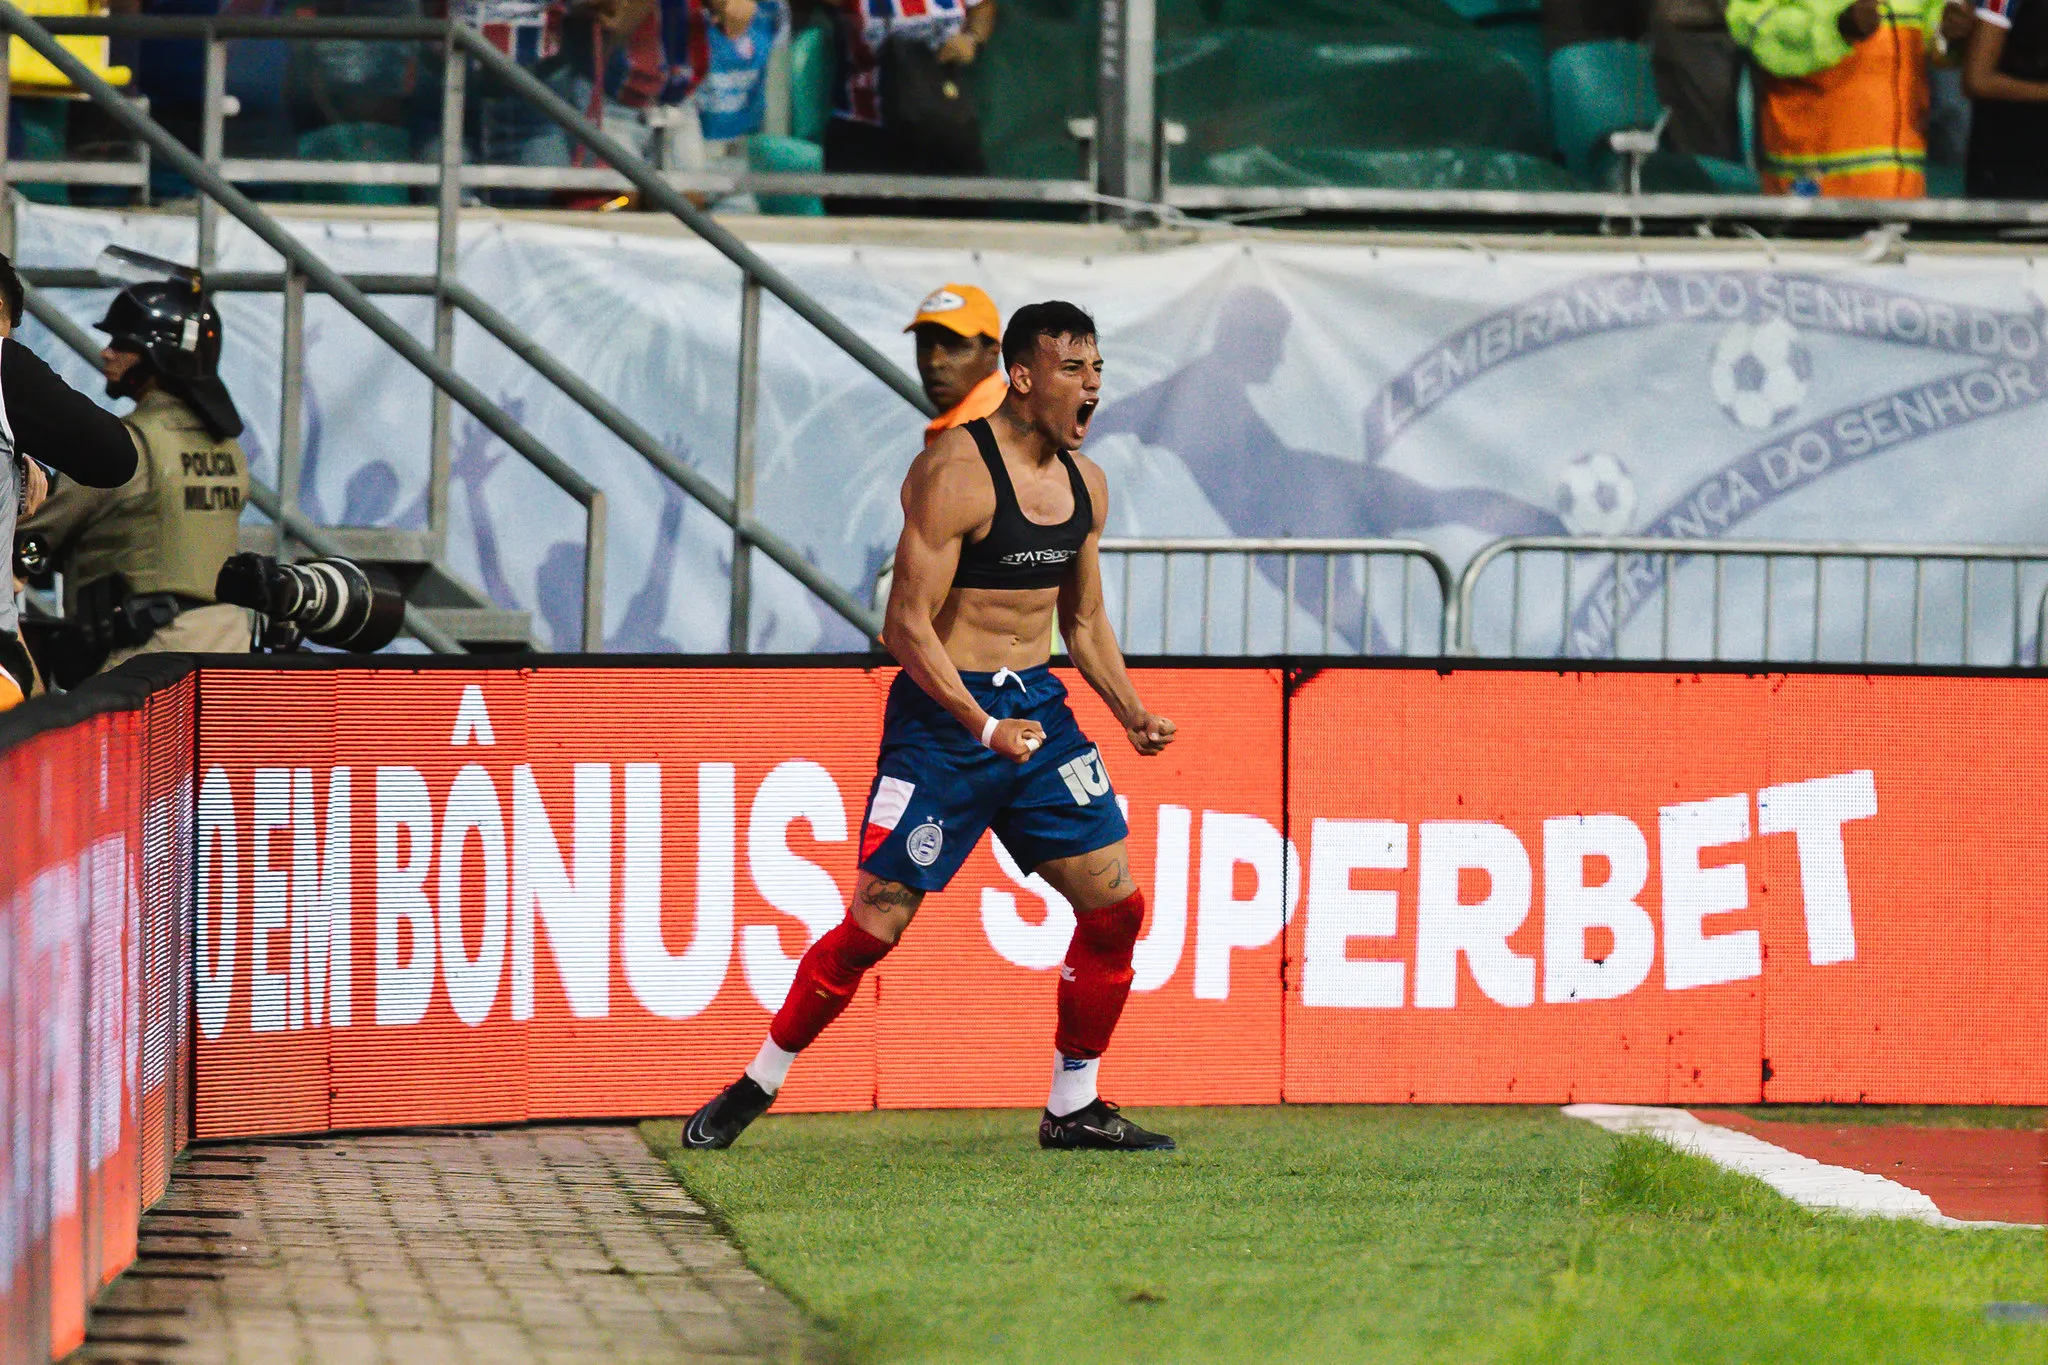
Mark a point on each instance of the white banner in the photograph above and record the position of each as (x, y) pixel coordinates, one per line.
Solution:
(1455, 395)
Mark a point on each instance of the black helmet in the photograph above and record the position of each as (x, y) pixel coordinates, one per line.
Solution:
(172, 323)
(177, 329)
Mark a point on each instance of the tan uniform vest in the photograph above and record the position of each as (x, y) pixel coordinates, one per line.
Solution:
(169, 528)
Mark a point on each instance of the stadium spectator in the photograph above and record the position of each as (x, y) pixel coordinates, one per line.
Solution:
(602, 56)
(959, 353)
(621, 62)
(716, 93)
(1699, 72)
(351, 80)
(902, 105)
(613, 69)
(1844, 94)
(2006, 76)
(1948, 116)
(718, 52)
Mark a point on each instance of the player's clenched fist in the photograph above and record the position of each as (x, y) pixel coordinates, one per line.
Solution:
(1149, 733)
(1017, 740)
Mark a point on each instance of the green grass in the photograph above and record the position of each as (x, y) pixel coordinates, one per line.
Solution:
(1336, 1233)
(1904, 1115)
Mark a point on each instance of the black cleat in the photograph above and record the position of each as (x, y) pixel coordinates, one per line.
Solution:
(1098, 1126)
(718, 1123)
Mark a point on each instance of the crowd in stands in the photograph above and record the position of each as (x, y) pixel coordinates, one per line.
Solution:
(678, 81)
(1820, 97)
(685, 83)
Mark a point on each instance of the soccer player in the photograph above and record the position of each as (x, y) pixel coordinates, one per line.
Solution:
(1000, 522)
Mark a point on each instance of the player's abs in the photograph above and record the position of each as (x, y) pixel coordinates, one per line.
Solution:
(985, 629)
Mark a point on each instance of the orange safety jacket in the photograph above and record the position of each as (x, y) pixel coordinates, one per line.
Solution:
(981, 400)
(1856, 129)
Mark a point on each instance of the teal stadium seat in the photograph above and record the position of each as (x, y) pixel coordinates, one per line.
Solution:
(1730, 177)
(767, 152)
(1745, 115)
(811, 58)
(39, 130)
(1485, 11)
(355, 142)
(1596, 89)
(1601, 88)
(1519, 35)
(811, 66)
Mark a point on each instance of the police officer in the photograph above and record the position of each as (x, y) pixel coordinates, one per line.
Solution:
(139, 561)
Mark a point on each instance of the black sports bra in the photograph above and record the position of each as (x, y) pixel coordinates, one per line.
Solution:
(1018, 552)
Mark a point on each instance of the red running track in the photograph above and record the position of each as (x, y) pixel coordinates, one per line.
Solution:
(1976, 1174)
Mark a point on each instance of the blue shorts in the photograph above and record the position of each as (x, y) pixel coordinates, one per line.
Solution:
(936, 788)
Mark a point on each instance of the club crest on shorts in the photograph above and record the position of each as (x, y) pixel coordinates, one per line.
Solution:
(1085, 778)
(924, 842)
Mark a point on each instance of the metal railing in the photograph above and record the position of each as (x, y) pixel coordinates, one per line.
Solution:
(1156, 202)
(1332, 596)
(305, 272)
(2040, 633)
(1651, 598)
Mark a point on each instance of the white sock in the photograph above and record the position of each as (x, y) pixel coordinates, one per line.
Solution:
(770, 1066)
(1073, 1084)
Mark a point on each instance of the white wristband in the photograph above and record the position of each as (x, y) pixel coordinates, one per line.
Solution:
(988, 731)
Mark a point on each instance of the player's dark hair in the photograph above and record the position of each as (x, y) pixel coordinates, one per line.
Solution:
(1054, 318)
(10, 291)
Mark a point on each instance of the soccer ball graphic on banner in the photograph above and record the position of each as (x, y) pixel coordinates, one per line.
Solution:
(1760, 373)
(1596, 496)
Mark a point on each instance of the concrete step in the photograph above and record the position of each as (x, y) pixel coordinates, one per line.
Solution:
(485, 630)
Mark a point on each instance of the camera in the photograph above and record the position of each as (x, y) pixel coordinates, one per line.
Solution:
(331, 602)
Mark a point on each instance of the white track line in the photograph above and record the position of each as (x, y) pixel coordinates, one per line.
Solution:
(1813, 1184)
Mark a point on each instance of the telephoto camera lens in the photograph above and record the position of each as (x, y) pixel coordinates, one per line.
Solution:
(331, 600)
(32, 558)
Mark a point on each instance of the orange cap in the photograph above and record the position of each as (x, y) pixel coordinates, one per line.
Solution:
(960, 308)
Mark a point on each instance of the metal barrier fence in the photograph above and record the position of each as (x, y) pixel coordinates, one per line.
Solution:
(1753, 600)
(1339, 596)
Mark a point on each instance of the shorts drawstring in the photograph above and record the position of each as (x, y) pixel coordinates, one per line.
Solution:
(1004, 675)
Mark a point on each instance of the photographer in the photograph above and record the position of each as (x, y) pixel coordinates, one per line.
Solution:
(46, 427)
(140, 560)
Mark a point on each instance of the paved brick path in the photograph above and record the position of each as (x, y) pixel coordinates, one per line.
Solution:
(541, 1244)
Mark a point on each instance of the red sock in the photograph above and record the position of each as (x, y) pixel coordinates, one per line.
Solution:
(825, 981)
(1096, 979)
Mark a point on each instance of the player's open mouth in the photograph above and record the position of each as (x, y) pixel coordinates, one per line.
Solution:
(1086, 411)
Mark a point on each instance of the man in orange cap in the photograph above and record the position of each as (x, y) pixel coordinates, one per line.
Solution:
(959, 350)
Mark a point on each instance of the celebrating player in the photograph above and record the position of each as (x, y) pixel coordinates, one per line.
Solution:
(1000, 522)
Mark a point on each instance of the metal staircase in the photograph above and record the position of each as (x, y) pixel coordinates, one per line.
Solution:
(444, 612)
